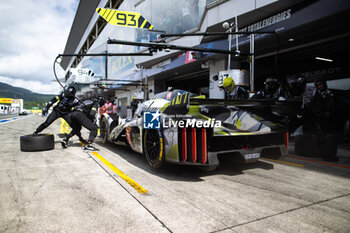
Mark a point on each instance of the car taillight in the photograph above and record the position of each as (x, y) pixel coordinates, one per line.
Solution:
(204, 146)
(184, 144)
(194, 144)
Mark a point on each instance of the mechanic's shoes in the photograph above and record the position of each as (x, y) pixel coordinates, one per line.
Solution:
(62, 135)
(90, 147)
(35, 133)
(82, 140)
(64, 143)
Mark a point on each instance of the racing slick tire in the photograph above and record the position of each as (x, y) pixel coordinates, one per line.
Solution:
(104, 130)
(154, 148)
(40, 142)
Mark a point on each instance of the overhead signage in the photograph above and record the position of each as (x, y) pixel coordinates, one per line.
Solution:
(86, 72)
(284, 15)
(124, 18)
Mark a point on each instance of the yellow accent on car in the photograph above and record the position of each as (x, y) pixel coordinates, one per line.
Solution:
(238, 124)
(178, 99)
(164, 107)
(161, 149)
(185, 97)
(199, 97)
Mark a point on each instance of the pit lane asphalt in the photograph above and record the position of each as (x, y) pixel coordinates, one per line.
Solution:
(68, 190)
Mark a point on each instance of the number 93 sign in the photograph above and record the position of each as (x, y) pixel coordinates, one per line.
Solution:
(124, 18)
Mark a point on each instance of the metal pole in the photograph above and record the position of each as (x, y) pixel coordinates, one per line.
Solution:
(229, 49)
(252, 57)
(145, 84)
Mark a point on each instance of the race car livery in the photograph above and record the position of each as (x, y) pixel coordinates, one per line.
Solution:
(180, 127)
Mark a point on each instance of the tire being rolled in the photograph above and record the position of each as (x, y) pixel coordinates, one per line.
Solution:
(40, 142)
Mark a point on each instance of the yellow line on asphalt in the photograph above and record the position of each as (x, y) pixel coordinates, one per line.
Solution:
(133, 184)
(284, 162)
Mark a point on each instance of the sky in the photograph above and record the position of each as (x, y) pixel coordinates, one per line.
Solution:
(32, 34)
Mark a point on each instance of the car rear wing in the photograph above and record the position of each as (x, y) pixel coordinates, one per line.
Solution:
(181, 104)
(288, 106)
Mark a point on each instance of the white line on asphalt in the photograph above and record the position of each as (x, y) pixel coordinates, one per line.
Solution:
(11, 119)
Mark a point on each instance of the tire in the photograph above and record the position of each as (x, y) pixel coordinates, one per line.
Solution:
(153, 148)
(104, 130)
(40, 142)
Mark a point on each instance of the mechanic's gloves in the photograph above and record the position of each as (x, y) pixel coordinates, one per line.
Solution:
(45, 111)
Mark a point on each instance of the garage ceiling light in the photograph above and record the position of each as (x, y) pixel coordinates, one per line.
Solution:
(323, 59)
(291, 39)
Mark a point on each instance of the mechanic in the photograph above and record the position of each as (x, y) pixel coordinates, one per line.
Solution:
(134, 104)
(84, 115)
(296, 89)
(323, 113)
(115, 106)
(233, 92)
(108, 107)
(66, 101)
(64, 128)
(317, 106)
(272, 90)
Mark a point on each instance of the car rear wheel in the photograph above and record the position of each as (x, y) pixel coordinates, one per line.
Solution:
(39, 142)
(153, 148)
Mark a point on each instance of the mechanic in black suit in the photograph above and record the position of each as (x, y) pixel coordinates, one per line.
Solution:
(323, 113)
(66, 101)
(84, 115)
(272, 90)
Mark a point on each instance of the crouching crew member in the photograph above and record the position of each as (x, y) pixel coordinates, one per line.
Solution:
(84, 115)
(66, 102)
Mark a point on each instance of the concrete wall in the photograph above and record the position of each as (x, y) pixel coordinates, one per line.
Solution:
(230, 9)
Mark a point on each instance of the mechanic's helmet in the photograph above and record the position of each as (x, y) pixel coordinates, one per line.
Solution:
(271, 84)
(70, 92)
(101, 101)
(319, 84)
(228, 84)
(132, 98)
(297, 85)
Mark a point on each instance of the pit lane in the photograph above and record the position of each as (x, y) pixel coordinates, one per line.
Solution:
(68, 190)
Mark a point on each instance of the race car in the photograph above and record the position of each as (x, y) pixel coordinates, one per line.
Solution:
(184, 128)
